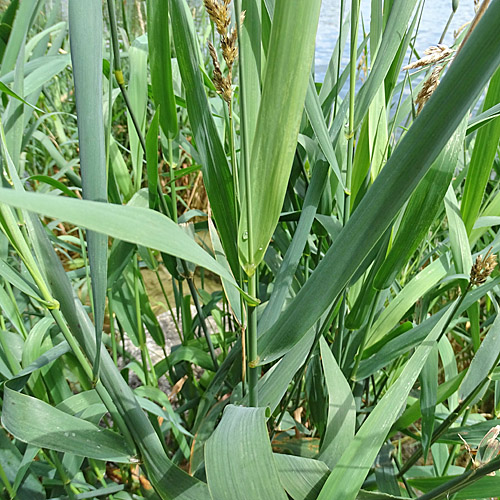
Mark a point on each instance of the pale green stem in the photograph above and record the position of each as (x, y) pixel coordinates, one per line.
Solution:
(140, 328)
(165, 296)
(350, 152)
(70, 489)
(455, 447)
(236, 195)
(173, 191)
(254, 370)
(446, 27)
(199, 310)
(17, 240)
(112, 330)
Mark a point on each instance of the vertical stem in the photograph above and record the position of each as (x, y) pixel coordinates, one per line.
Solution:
(253, 375)
(443, 34)
(236, 193)
(173, 191)
(112, 330)
(140, 329)
(350, 151)
(70, 489)
(172, 314)
(455, 447)
(253, 371)
(114, 42)
(409, 489)
(352, 94)
(201, 316)
(337, 72)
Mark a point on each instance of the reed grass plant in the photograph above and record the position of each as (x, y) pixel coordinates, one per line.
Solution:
(350, 346)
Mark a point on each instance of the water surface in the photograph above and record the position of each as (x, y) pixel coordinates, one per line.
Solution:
(434, 17)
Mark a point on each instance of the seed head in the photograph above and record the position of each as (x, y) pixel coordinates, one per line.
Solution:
(218, 10)
(428, 88)
(219, 14)
(482, 268)
(433, 55)
(363, 64)
(229, 48)
(222, 83)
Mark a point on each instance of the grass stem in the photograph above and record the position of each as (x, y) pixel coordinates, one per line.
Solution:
(199, 310)
(350, 154)
(254, 371)
(173, 190)
(455, 447)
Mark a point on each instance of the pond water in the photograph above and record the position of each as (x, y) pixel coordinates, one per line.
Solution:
(434, 17)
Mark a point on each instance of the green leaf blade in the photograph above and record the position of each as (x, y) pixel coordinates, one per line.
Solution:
(39, 424)
(85, 28)
(239, 459)
(161, 65)
(290, 55)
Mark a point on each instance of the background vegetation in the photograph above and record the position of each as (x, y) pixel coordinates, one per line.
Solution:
(325, 252)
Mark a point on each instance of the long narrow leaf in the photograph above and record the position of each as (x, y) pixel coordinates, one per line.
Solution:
(216, 174)
(484, 360)
(290, 55)
(481, 162)
(416, 222)
(85, 29)
(341, 410)
(161, 65)
(136, 225)
(39, 424)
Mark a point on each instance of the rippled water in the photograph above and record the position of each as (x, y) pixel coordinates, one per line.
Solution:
(434, 18)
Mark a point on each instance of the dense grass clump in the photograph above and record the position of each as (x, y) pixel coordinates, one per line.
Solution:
(222, 279)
